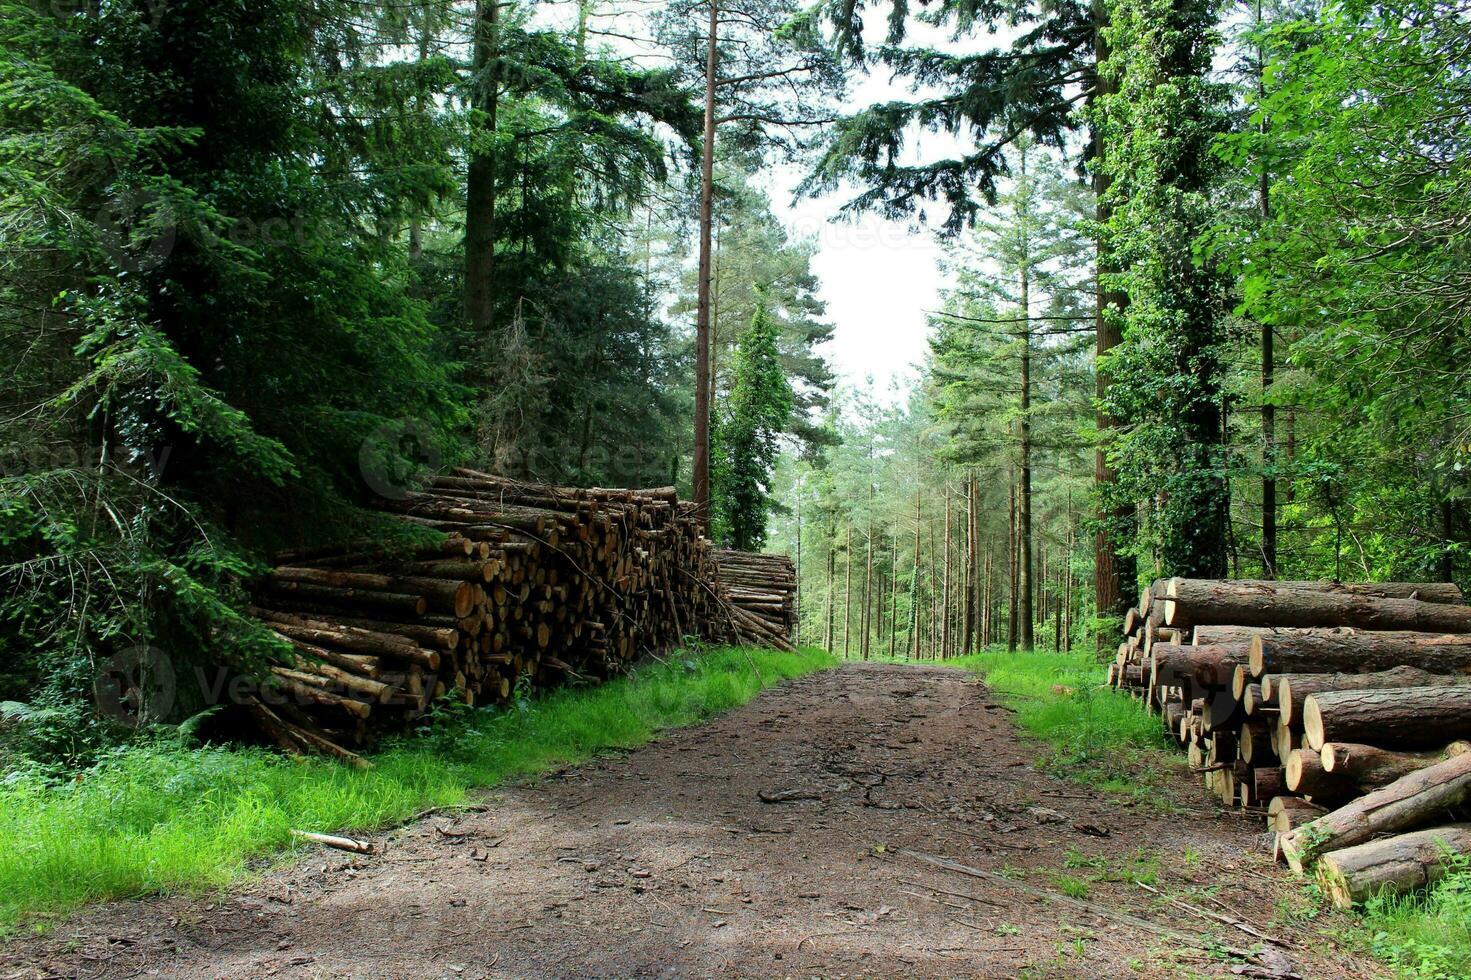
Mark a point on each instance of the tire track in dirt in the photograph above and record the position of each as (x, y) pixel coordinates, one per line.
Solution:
(766, 843)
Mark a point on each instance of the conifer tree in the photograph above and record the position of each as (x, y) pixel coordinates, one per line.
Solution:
(747, 438)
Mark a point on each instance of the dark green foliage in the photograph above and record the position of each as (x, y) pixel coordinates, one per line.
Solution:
(747, 434)
(575, 381)
(232, 315)
(202, 328)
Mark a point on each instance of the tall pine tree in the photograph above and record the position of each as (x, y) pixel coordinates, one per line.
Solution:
(758, 411)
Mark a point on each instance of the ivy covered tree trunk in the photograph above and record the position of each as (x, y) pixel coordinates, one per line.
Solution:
(1167, 375)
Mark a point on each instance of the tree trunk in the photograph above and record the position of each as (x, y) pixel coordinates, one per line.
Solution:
(968, 610)
(832, 561)
(481, 175)
(848, 592)
(1407, 803)
(796, 595)
(945, 584)
(893, 587)
(1028, 573)
(986, 599)
(701, 474)
(1014, 574)
(1196, 602)
(1269, 410)
(914, 582)
(1401, 718)
(867, 589)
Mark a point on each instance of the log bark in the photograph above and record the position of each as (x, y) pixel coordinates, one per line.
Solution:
(1256, 743)
(1292, 690)
(1402, 718)
(1206, 635)
(367, 600)
(1207, 667)
(1349, 650)
(1408, 803)
(1370, 767)
(328, 634)
(1198, 602)
(1393, 865)
(1267, 783)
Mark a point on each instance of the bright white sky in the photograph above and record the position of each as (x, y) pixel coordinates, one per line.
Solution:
(878, 279)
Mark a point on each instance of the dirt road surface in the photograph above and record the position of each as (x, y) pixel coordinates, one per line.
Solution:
(796, 836)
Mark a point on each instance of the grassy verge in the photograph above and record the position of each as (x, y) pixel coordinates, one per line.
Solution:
(164, 819)
(1106, 739)
(1094, 735)
(1426, 936)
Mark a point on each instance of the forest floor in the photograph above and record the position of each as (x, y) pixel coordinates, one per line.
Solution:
(797, 835)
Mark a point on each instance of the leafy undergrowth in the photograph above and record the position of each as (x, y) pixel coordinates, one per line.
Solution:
(1095, 735)
(161, 819)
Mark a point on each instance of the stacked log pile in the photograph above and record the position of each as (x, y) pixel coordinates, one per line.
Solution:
(762, 593)
(1339, 711)
(529, 585)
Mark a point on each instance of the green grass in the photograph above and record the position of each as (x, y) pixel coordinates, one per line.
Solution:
(168, 819)
(1426, 936)
(1095, 735)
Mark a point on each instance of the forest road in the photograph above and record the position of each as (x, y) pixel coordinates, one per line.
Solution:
(785, 838)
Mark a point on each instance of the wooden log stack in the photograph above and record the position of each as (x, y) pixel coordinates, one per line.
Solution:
(761, 593)
(529, 585)
(1339, 711)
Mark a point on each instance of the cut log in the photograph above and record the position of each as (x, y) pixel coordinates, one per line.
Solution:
(1357, 651)
(1400, 718)
(1393, 865)
(1370, 767)
(304, 594)
(1292, 690)
(1286, 812)
(1207, 667)
(1410, 802)
(1256, 743)
(335, 634)
(334, 841)
(1267, 783)
(1198, 602)
(1306, 777)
